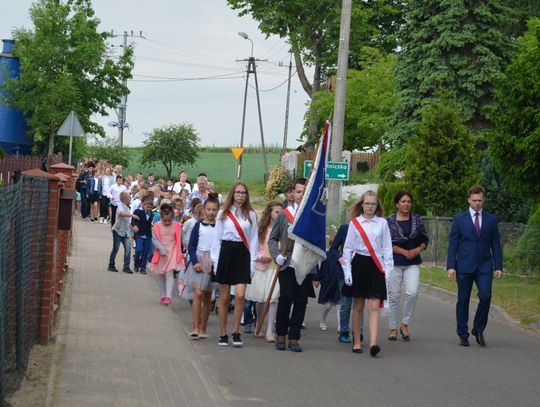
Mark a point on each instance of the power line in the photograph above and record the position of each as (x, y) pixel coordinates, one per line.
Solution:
(276, 87)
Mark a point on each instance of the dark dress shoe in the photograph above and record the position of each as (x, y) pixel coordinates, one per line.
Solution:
(357, 350)
(480, 340)
(463, 342)
(374, 350)
(406, 338)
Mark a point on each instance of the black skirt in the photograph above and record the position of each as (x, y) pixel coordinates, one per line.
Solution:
(367, 280)
(234, 264)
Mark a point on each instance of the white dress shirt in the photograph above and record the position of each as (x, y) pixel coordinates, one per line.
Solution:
(225, 230)
(378, 232)
(115, 192)
(472, 212)
(107, 181)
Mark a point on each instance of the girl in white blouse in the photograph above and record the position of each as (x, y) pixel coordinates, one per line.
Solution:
(234, 252)
(366, 269)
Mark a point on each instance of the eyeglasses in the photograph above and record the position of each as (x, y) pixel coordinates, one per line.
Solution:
(240, 192)
(369, 204)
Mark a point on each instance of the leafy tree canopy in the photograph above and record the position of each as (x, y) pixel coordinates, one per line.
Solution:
(175, 144)
(369, 101)
(443, 162)
(515, 142)
(462, 46)
(65, 65)
(108, 149)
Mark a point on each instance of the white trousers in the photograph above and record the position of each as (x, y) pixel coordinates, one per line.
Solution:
(410, 275)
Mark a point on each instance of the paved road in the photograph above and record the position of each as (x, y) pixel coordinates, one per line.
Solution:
(431, 370)
(122, 348)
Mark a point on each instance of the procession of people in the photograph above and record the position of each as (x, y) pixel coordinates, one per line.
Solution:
(222, 256)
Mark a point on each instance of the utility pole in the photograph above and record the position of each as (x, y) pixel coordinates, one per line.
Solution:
(121, 112)
(334, 187)
(251, 69)
(286, 130)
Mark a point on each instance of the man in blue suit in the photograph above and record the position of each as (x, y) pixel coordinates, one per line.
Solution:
(474, 255)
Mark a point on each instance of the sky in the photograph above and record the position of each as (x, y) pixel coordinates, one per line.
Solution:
(193, 39)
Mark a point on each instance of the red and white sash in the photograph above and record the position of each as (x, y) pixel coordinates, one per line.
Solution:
(238, 229)
(290, 213)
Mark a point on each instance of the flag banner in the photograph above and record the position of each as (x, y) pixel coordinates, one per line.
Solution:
(309, 228)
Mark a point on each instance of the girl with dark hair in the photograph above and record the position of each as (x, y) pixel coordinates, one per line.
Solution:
(234, 253)
(168, 257)
(367, 265)
(409, 238)
(265, 269)
(200, 266)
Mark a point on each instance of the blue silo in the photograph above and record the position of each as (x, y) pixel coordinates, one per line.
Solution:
(13, 127)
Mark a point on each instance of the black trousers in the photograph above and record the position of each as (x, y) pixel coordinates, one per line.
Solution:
(292, 294)
(113, 214)
(104, 207)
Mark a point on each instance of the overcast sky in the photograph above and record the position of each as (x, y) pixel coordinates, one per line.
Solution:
(193, 39)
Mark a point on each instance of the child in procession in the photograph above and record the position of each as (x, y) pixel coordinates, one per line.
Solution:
(168, 257)
(367, 263)
(200, 267)
(143, 234)
(265, 270)
(234, 253)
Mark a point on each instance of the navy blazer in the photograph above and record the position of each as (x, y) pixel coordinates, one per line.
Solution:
(469, 253)
(145, 226)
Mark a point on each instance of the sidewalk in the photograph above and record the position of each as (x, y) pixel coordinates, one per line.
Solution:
(121, 347)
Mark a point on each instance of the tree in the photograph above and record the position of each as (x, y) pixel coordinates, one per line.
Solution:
(461, 46)
(170, 145)
(369, 101)
(444, 156)
(65, 65)
(515, 141)
(312, 29)
(108, 149)
(507, 203)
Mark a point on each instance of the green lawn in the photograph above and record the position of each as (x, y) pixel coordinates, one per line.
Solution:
(220, 167)
(519, 296)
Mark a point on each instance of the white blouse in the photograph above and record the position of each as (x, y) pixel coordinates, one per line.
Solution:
(206, 237)
(225, 230)
(378, 233)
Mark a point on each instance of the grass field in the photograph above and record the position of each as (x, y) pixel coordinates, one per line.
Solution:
(220, 167)
(519, 296)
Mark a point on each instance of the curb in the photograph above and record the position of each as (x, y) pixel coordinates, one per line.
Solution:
(495, 311)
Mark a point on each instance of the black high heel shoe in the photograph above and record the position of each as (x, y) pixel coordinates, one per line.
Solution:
(406, 338)
(357, 350)
(374, 350)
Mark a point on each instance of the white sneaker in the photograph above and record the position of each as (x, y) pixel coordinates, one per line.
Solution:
(323, 326)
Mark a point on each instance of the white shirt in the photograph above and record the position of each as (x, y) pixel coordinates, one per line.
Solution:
(225, 230)
(107, 181)
(177, 187)
(206, 237)
(115, 192)
(472, 212)
(96, 183)
(378, 232)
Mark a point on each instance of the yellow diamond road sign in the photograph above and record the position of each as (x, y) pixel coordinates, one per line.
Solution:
(237, 152)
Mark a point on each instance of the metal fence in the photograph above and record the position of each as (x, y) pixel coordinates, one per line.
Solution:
(23, 228)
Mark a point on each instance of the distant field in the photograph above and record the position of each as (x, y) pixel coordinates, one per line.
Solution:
(220, 167)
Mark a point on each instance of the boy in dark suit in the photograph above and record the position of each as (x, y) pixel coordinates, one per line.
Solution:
(143, 234)
(474, 255)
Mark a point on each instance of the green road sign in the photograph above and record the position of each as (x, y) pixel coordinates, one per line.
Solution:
(334, 171)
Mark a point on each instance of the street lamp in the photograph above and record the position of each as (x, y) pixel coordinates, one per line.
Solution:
(246, 37)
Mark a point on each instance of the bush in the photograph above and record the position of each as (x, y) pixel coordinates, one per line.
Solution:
(526, 256)
(393, 161)
(2, 153)
(277, 181)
